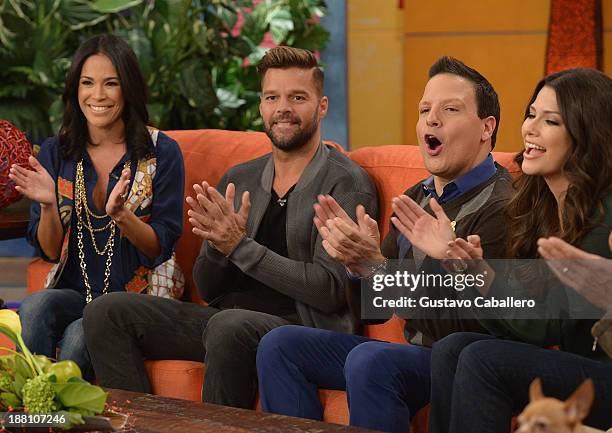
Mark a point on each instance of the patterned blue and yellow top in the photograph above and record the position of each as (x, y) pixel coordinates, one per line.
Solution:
(155, 195)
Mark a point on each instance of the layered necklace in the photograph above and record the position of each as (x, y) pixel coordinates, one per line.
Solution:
(84, 215)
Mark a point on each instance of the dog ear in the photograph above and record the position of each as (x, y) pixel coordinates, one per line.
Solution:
(578, 405)
(535, 390)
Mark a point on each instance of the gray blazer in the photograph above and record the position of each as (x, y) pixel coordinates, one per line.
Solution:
(309, 275)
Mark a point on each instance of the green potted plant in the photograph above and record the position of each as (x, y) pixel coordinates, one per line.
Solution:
(47, 392)
(198, 56)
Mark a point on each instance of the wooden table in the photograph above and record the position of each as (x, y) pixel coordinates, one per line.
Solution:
(14, 220)
(155, 414)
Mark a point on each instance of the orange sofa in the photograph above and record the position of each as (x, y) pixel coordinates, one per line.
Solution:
(208, 154)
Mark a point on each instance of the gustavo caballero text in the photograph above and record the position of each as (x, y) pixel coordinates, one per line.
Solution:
(427, 302)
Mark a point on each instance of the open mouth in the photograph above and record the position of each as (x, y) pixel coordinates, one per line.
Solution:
(434, 145)
(532, 149)
(432, 141)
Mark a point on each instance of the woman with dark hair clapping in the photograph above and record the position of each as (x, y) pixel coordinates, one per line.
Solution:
(565, 194)
(107, 195)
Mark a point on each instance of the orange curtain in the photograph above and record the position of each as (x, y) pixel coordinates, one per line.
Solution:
(575, 36)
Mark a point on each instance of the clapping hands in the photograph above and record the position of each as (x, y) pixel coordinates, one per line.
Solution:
(430, 234)
(36, 184)
(588, 274)
(118, 196)
(214, 218)
(355, 245)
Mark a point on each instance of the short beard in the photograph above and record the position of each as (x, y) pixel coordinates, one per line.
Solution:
(298, 140)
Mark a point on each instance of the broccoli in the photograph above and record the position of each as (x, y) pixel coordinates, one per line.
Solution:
(39, 395)
(6, 381)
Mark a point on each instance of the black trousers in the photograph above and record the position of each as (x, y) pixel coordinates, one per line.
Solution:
(479, 382)
(124, 329)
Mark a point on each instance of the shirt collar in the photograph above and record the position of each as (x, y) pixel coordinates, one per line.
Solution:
(463, 183)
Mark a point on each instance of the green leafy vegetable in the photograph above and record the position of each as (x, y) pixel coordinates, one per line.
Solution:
(39, 395)
(87, 399)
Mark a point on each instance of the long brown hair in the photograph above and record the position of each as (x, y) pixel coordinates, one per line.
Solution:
(585, 102)
(74, 133)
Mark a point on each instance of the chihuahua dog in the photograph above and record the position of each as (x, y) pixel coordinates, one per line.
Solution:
(549, 415)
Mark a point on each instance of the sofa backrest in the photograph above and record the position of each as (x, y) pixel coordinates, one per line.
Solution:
(208, 154)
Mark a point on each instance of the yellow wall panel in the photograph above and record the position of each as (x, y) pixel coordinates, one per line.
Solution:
(476, 15)
(374, 15)
(390, 51)
(375, 89)
(375, 79)
(606, 10)
(513, 64)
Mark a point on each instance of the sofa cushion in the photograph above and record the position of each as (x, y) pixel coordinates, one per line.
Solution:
(37, 273)
(176, 379)
(393, 169)
(183, 379)
(392, 331)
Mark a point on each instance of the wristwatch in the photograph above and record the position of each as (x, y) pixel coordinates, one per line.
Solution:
(378, 268)
(459, 266)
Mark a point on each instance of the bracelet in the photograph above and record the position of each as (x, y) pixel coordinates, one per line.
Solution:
(119, 217)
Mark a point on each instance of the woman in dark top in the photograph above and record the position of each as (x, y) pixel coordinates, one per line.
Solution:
(479, 381)
(107, 198)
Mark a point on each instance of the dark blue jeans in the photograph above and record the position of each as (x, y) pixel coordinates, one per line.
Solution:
(52, 319)
(386, 383)
(479, 382)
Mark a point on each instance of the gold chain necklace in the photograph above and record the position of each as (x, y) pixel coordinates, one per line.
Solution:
(80, 202)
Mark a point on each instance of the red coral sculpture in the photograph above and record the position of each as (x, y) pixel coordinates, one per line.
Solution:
(14, 149)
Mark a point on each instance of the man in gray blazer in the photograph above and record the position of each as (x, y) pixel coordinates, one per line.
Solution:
(262, 264)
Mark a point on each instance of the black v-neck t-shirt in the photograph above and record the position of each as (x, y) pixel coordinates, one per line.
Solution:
(251, 294)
